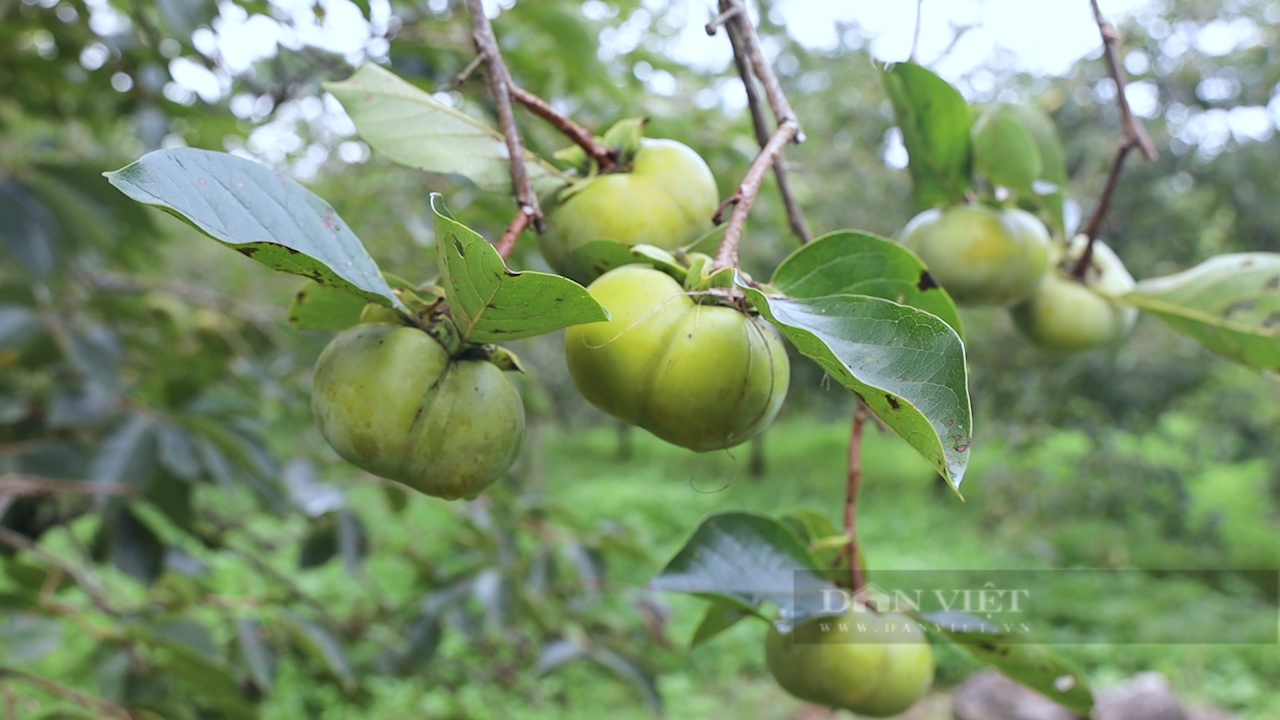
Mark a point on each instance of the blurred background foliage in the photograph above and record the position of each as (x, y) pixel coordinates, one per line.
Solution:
(176, 538)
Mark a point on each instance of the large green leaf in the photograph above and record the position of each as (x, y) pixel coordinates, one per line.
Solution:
(741, 560)
(1229, 303)
(935, 121)
(906, 365)
(258, 212)
(493, 304)
(850, 262)
(413, 128)
(1032, 665)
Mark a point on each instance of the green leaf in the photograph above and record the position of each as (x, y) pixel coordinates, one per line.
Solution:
(629, 671)
(906, 365)
(1032, 665)
(206, 675)
(256, 653)
(135, 548)
(493, 304)
(719, 616)
(258, 212)
(851, 262)
(413, 128)
(321, 645)
(128, 456)
(742, 560)
(316, 307)
(1049, 187)
(1229, 303)
(27, 229)
(1004, 151)
(935, 121)
(176, 453)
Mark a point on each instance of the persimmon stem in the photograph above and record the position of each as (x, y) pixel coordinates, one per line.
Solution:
(795, 217)
(604, 156)
(500, 86)
(1135, 135)
(857, 581)
(746, 193)
(507, 242)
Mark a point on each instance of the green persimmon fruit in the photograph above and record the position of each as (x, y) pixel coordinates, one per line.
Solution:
(1068, 315)
(868, 663)
(698, 375)
(390, 400)
(982, 256)
(666, 199)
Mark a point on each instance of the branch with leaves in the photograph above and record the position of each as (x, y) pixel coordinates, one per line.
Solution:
(750, 61)
(1135, 136)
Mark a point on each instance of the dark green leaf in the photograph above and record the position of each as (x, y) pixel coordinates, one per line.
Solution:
(906, 365)
(256, 654)
(1032, 665)
(17, 325)
(1229, 303)
(493, 304)
(743, 559)
(321, 544)
(128, 455)
(849, 262)
(28, 229)
(258, 212)
(205, 676)
(322, 647)
(135, 548)
(176, 453)
(316, 307)
(27, 638)
(414, 128)
(935, 121)
(353, 543)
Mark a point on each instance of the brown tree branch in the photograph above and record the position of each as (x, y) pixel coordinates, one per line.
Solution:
(507, 242)
(795, 217)
(83, 579)
(857, 581)
(605, 157)
(782, 111)
(84, 700)
(746, 193)
(500, 85)
(34, 486)
(1135, 135)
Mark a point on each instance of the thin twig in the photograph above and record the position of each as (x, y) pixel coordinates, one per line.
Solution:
(721, 19)
(857, 581)
(34, 486)
(466, 72)
(1135, 135)
(500, 85)
(507, 243)
(915, 37)
(83, 579)
(746, 193)
(604, 156)
(795, 217)
(84, 700)
(782, 111)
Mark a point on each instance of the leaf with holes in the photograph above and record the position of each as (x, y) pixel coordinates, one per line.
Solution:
(907, 365)
(258, 212)
(1229, 303)
(493, 304)
(851, 262)
(413, 128)
(1032, 665)
(935, 121)
(741, 560)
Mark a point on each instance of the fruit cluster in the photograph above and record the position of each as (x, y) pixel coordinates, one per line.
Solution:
(1005, 258)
